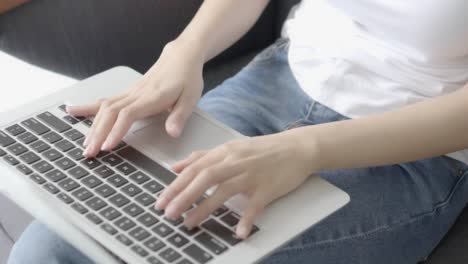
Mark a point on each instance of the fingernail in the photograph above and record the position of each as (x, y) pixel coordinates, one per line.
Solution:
(105, 146)
(170, 211)
(242, 232)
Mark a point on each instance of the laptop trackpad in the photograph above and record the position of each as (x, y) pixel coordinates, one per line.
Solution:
(200, 133)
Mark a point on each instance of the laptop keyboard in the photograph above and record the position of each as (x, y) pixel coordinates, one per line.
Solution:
(116, 190)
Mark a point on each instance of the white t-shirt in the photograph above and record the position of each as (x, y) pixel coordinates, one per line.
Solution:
(368, 56)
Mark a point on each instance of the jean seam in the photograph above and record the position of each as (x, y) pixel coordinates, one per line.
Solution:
(300, 119)
(437, 207)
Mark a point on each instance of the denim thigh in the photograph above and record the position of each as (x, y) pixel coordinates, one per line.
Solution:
(397, 214)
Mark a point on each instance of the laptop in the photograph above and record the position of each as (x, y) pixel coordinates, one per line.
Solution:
(105, 206)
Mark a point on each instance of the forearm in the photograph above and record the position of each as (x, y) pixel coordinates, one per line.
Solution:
(426, 129)
(219, 24)
(7, 5)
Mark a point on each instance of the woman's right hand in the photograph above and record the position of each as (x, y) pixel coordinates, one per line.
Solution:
(173, 83)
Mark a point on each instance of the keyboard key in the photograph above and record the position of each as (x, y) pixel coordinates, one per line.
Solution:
(154, 244)
(94, 218)
(147, 219)
(64, 145)
(96, 203)
(52, 137)
(65, 198)
(24, 169)
(70, 119)
(38, 179)
(131, 190)
(124, 240)
(117, 180)
(119, 146)
(154, 260)
(140, 251)
(11, 160)
(55, 175)
(88, 122)
(82, 194)
(184, 261)
(5, 140)
(170, 255)
(29, 157)
(221, 210)
(198, 254)
(42, 166)
(110, 213)
(91, 163)
(52, 155)
(27, 138)
(2, 153)
(51, 188)
(139, 234)
(104, 171)
(35, 126)
(178, 240)
(39, 146)
(68, 185)
(109, 229)
(78, 172)
(189, 232)
(231, 219)
(105, 190)
(102, 154)
(156, 211)
(175, 222)
(54, 122)
(91, 181)
(80, 142)
(76, 154)
(147, 164)
(221, 231)
(211, 243)
(124, 223)
(63, 108)
(79, 208)
(73, 134)
(162, 230)
(17, 149)
(153, 186)
(119, 200)
(65, 163)
(112, 160)
(15, 130)
(126, 168)
(133, 210)
(139, 177)
(145, 199)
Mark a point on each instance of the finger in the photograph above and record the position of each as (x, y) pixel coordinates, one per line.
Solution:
(103, 127)
(101, 102)
(181, 112)
(124, 121)
(217, 199)
(254, 208)
(183, 180)
(206, 179)
(90, 109)
(180, 165)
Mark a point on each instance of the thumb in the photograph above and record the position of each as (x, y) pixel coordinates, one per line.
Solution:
(180, 113)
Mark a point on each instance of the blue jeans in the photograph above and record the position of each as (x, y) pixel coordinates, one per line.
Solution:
(397, 214)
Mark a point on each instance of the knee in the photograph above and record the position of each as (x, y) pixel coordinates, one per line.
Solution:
(38, 245)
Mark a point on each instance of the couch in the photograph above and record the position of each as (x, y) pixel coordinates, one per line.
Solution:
(37, 22)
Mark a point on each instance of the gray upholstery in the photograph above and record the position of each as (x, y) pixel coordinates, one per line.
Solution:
(13, 220)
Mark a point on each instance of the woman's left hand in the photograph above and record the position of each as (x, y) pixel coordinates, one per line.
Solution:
(263, 168)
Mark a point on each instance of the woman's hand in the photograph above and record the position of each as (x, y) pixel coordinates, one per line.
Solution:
(174, 83)
(263, 168)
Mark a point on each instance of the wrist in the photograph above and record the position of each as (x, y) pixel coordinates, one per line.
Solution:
(190, 46)
(305, 145)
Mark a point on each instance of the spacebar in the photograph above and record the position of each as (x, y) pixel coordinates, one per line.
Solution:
(147, 164)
